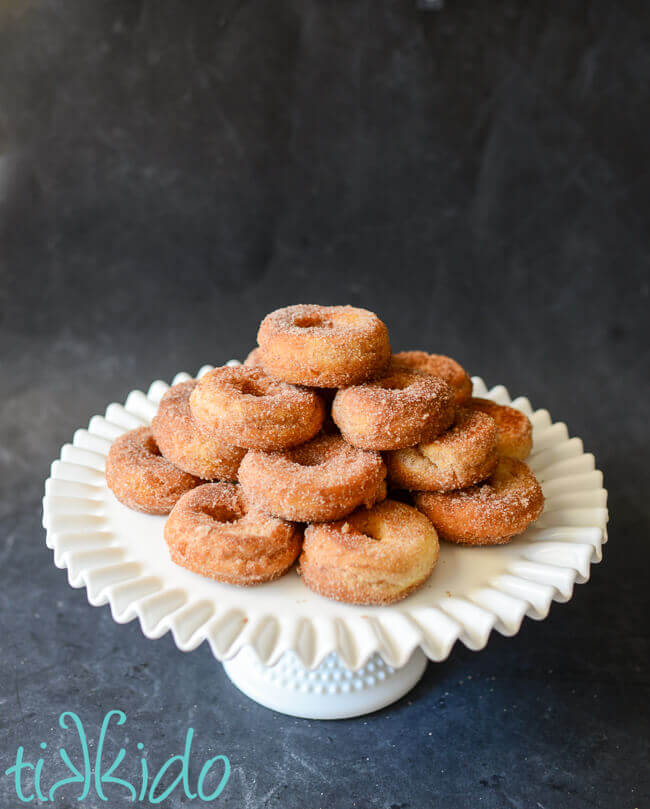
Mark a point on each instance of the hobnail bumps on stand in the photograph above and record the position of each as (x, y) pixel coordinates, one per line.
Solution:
(329, 678)
(330, 691)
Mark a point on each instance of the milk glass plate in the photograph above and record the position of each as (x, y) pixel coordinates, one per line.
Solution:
(121, 559)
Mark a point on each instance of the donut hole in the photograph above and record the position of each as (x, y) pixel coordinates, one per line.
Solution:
(313, 321)
(368, 525)
(396, 384)
(250, 387)
(397, 381)
(223, 513)
(313, 460)
(151, 446)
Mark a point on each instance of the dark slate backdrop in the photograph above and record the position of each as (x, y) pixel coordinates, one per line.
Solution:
(479, 177)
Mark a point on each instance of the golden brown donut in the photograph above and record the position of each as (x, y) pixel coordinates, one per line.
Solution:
(401, 409)
(247, 408)
(438, 365)
(322, 480)
(214, 532)
(323, 346)
(460, 457)
(514, 430)
(188, 443)
(375, 556)
(489, 513)
(141, 478)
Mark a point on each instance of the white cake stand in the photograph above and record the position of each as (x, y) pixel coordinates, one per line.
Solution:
(287, 647)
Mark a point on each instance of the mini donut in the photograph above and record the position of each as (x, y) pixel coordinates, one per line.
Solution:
(460, 457)
(324, 479)
(141, 478)
(323, 346)
(187, 442)
(376, 556)
(489, 513)
(402, 409)
(514, 430)
(438, 365)
(214, 532)
(247, 408)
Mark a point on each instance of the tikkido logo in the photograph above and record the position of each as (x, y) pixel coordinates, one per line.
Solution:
(100, 776)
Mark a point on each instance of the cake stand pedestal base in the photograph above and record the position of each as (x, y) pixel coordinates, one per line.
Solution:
(330, 691)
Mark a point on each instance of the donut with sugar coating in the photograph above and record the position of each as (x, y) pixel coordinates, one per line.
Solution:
(514, 430)
(141, 478)
(188, 443)
(460, 457)
(323, 346)
(438, 365)
(324, 479)
(213, 531)
(247, 408)
(401, 409)
(374, 556)
(490, 513)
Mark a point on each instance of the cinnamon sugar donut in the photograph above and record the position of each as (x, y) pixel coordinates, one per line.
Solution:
(489, 513)
(460, 457)
(323, 346)
(514, 430)
(438, 365)
(401, 409)
(214, 532)
(247, 408)
(141, 478)
(187, 442)
(321, 480)
(375, 556)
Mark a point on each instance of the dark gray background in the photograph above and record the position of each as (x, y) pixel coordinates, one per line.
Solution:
(477, 176)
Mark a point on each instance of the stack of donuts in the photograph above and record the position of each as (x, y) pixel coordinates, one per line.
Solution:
(294, 453)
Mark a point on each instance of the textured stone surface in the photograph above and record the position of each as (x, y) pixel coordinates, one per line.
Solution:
(478, 176)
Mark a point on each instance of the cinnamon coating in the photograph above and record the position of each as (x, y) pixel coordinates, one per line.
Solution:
(141, 478)
(460, 457)
(489, 513)
(188, 443)
(514, 430)
(324, 479)
(214, 532)
(247, 408)
(401, 409)
(372, 557)
(254, 359)
(438, 365)
(323, 346)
